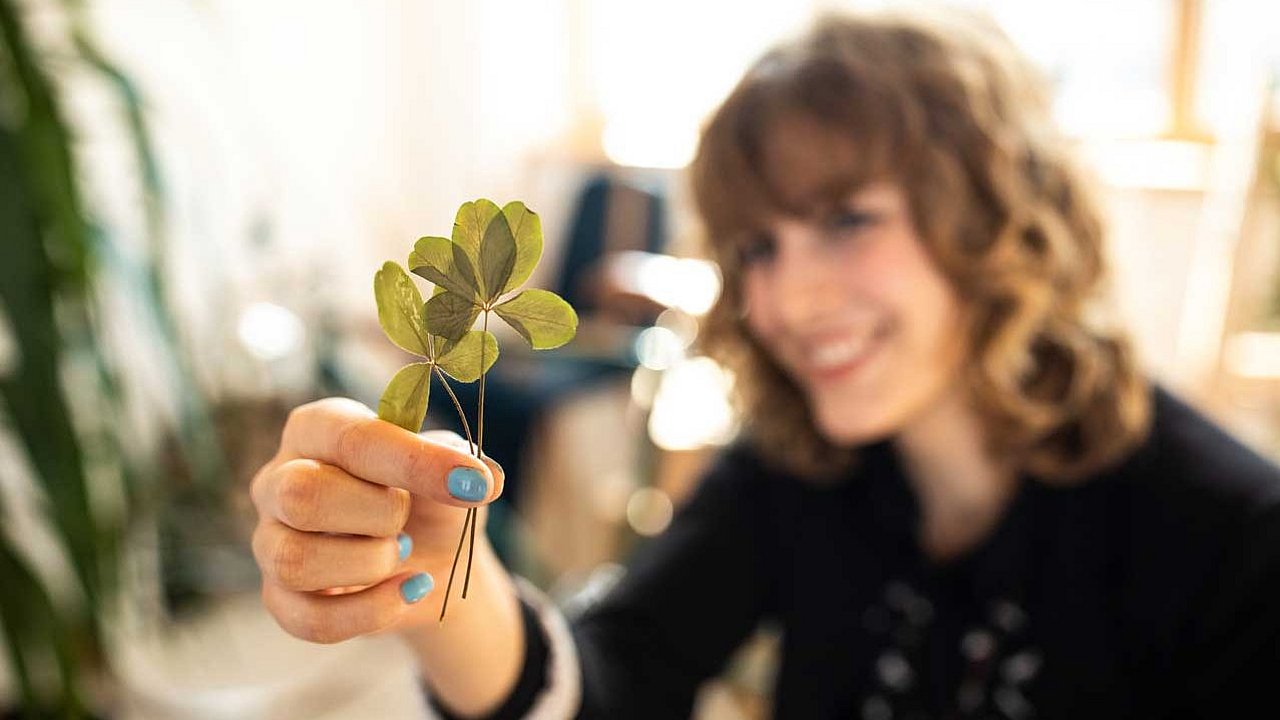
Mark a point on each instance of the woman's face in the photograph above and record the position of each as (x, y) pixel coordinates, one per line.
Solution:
(854, 310)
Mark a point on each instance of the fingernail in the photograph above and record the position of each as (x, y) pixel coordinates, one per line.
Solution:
(467, 484)
(405, 543)
(416, 587)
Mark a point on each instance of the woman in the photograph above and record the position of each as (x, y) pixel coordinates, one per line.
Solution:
(956, 494)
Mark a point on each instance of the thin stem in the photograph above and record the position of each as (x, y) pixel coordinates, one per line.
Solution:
(466, 583)
(466, 426)
(456, 555)
(470, 517)
(480, 414)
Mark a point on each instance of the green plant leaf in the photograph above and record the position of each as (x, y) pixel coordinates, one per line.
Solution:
(434, 259)
(400, 309)
(470, 224)
(404, 402)
(461, 360)
(497, 257)
(541, 316)
(463, 273)
(449, 316)
(526, 228)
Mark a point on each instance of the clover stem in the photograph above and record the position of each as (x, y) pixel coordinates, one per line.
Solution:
(480, 415)
(466, 582)
(454, 568)
(466, 427)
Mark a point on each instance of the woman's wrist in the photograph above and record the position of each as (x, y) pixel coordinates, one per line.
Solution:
(472, 661)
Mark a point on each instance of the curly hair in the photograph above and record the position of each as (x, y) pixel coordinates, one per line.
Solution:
(942, 104)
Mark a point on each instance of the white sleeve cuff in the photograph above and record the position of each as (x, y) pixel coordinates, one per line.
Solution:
(562, 696)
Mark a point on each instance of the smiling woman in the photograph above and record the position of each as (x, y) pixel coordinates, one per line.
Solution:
(955, 493)
(942, 138)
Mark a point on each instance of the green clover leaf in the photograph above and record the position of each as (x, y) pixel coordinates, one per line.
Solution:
(526, 228)
(446, 264)
(400, 309)
(469, 226)
(542, 317)
(404, 402)
(497, 257)
(462, 360)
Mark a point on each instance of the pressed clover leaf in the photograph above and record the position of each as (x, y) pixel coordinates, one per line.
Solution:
(404, 402)
(461, 360)
(451, 315)
(444, 263)
(526, 228)
(542, 317)
(400, 309)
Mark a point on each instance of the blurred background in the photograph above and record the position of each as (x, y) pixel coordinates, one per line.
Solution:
(195, 194)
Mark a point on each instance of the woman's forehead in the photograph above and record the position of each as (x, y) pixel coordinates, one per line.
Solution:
(803, 161)
(782, 162)
(808, 165)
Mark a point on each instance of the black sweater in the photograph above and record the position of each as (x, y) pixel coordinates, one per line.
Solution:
(1150, 591)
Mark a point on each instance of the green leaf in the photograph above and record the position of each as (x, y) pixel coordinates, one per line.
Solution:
(449, 316)
(526, 228)
(435, 258)
(497, 257)
(463, 273)
(470, 224)
(462, 360)
(400, 309)
(404, 402)
(541, 316)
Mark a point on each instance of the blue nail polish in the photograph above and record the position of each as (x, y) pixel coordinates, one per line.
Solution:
(467, 484)
(405, 544)
(416, 587)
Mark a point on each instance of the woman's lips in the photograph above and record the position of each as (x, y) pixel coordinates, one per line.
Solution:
(837, 360)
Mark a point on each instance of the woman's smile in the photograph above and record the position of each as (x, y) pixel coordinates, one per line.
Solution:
(835, 359)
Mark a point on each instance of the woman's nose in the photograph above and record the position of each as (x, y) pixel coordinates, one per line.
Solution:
(806, 283)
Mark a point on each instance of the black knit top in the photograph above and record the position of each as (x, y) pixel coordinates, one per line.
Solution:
(1152, 590)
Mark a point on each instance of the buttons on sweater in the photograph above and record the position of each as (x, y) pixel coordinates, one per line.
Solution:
(876, 708)
(997, 662)
(1021, 667)
(1008, 616)
(894, 671)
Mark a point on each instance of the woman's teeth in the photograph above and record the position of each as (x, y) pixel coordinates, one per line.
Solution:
(836, 354)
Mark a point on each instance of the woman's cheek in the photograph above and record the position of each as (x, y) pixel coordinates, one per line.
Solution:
(755, 306)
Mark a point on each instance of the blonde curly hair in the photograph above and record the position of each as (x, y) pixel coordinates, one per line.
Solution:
(945, 106)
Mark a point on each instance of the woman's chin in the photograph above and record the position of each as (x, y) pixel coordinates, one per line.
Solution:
(844, 428)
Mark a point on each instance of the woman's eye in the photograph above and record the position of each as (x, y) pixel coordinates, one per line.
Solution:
(756, 250)
(849, 220)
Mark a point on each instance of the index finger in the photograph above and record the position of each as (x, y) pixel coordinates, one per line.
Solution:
(345, 433)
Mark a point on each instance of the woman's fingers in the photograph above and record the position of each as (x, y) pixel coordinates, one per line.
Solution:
(452, 439)
(334, 618)
(342, 432)
(333, 506)
(317, 497)
(305, 561)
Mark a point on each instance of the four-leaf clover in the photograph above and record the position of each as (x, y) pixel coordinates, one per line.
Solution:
(492, 252)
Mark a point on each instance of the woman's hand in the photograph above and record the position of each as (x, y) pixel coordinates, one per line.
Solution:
(359, 518)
